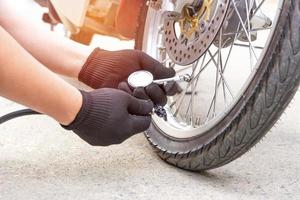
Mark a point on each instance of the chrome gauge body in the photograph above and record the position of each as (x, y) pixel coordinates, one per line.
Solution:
(140, 78)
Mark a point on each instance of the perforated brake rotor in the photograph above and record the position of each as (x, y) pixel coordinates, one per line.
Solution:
(185, 49)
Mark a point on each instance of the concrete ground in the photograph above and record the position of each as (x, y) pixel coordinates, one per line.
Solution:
(39, 160)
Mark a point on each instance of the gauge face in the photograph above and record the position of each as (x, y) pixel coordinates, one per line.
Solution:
(140, 78)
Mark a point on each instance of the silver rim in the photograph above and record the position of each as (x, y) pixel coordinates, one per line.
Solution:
(219, 77)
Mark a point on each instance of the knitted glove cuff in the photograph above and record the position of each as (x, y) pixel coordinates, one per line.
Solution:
(93, 112)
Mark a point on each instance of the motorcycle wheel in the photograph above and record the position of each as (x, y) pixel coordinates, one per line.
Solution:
(210, 127)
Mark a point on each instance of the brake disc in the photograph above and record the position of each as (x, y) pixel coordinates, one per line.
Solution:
(196, 31)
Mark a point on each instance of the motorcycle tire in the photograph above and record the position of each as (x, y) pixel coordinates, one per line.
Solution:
(254, 114)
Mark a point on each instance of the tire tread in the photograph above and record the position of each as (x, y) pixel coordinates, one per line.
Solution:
(269, 99)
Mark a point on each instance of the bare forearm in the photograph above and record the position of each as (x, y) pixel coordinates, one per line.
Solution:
(24, 80)
(59, 54)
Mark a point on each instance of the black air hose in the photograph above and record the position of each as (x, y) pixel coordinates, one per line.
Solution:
(16, 114)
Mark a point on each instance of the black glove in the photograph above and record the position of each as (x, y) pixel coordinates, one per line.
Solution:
(110, 116)
(154, 92)
(109, 68)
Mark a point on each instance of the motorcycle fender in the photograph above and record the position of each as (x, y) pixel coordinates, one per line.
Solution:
(127, 17)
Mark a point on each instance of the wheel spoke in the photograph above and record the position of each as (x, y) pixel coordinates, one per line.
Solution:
(258, 7)
(185, 90)
(217, 72)
(231, 47)
(198, 74)
(223, 85)
(191, 101)
(214, 100)
(250, 31)
(245, 30)
(245, 45)
(212, 104)
(249, 25)
(221, 65)
(196, 84)
(221, 74)
(224, 67)
(208, 62)
(183, 68)
(226, 62)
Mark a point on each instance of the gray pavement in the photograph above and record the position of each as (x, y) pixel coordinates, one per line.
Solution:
(39, 160)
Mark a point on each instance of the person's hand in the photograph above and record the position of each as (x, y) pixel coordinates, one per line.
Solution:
(110, 116)
(109, 68)
(156, 93)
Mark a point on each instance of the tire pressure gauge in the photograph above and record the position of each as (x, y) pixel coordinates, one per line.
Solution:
(140, 78)
(144, 78)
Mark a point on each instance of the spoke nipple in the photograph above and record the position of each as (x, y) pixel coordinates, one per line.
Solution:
(187, 78)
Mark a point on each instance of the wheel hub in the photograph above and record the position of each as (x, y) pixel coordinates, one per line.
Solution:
(191, 15)
(199, 24)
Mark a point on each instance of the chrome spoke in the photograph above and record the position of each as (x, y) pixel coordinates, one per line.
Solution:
(185, 90)
(250, 31)
(198, 74)
(248, 22)
(221, 66)
(258, 7)
(222, 69)
(192, 104)
(212, 104)
(244, 28)
(221, 75)
(191, 101)
(247, 46)
(223, 84)
(196, 82)
(225, 65)
(216, 87)
(208, 62)
(231, 47)
(214, 99)
(183, 68)
(217, 73)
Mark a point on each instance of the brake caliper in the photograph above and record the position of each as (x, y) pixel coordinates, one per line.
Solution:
(191, 16)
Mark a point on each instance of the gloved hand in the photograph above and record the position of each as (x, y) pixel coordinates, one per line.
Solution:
(109, 68)
(110, 116)
(157, 93)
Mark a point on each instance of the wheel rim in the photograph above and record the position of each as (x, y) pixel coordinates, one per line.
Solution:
(207, 99)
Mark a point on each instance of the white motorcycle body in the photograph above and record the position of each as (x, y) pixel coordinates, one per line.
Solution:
(71, 12)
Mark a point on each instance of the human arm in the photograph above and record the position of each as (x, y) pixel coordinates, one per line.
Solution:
(97, 69)
(101, 117)
(58, 53)
(24, 80)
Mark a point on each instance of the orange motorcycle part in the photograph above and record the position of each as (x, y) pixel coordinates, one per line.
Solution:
(127, 17)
